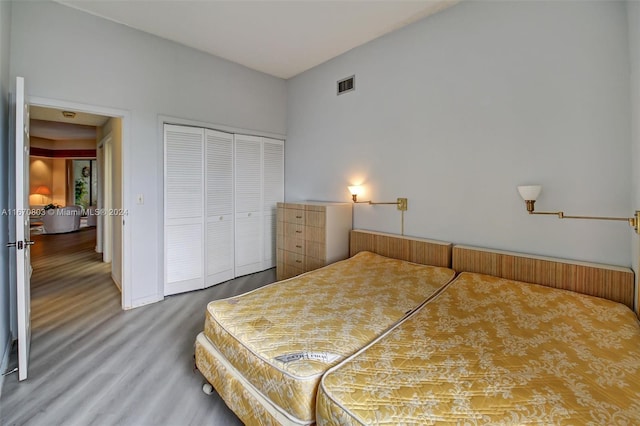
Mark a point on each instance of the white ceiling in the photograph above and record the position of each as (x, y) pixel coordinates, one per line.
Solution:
(52, 114)
(60, 131)
(49, 123)
(281, 38)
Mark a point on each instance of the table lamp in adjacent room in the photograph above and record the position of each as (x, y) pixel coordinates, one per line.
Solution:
(42, 190)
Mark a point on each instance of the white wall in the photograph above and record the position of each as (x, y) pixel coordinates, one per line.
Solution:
(633, 13)
(453, 112)
(5, 84)
(68, 55)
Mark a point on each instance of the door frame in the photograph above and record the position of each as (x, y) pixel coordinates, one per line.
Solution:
(127, 284)
(106, 198)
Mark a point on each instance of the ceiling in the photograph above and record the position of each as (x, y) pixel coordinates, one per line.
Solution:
(49, 123)
(281, 38)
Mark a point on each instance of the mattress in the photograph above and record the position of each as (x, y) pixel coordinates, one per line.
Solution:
(492, 351)
(282, 337)
(246, 401)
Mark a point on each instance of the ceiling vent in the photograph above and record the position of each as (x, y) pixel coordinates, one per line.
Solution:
(347, 85)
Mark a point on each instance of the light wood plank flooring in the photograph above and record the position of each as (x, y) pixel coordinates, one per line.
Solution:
(94, 364)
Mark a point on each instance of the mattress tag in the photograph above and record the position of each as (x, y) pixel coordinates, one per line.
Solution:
(313, 356)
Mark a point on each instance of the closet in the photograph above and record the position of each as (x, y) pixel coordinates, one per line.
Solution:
(221, 194)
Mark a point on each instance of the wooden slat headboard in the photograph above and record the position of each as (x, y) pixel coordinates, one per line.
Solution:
(609, 282)
(412, 249)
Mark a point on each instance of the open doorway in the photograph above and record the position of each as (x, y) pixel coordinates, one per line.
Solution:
(121, 236)
(75, 167)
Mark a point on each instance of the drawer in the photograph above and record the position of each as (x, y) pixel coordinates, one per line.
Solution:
(316, 250)
(293, 230)
(312, 233)
(315, 218)
(294, 216)
(290, 271)
(284, 271)
(280, 214)
(295, 245)
(312, 263)
(293, 259)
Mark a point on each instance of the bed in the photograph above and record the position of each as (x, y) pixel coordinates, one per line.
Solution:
(490, 349)
(265, 351)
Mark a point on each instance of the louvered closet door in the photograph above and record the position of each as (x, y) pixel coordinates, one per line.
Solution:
(219, 207)
(184, 209)
(273, 193)
(248, 214)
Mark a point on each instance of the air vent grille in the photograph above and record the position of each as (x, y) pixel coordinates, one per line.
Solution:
(347, 85)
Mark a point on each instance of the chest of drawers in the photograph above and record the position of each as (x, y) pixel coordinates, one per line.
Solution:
(311, 235)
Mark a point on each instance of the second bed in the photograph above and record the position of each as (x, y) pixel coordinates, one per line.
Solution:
(492, 350)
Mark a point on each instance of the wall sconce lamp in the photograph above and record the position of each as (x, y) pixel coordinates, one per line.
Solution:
(356, 190)
(530, 193)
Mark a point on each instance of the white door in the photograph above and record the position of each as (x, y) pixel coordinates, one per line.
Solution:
(23, 242)
(248, 184)
(219, 207)
(184, 227)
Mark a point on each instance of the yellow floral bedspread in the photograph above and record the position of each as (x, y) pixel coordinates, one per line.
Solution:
(284, 336)
(492, 351)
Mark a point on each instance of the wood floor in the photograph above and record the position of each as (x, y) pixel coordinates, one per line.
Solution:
(93, 364)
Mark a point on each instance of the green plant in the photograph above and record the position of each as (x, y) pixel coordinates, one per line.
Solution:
(81, 189)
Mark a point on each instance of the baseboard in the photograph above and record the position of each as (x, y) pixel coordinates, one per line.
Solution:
(117, 282)
(4, 364)
(144, 301)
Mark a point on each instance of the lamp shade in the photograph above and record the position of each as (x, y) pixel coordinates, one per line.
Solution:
(355, 189)
(42, 190)
(529, 192)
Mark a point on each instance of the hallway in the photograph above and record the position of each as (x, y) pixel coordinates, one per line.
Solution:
(69, 282)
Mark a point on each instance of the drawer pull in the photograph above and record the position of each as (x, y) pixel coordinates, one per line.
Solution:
(298, 232)
(298, 261)
(298, 246)
(298, 217)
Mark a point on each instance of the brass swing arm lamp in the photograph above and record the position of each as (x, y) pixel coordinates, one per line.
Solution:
(530, 193)
(356, 190)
